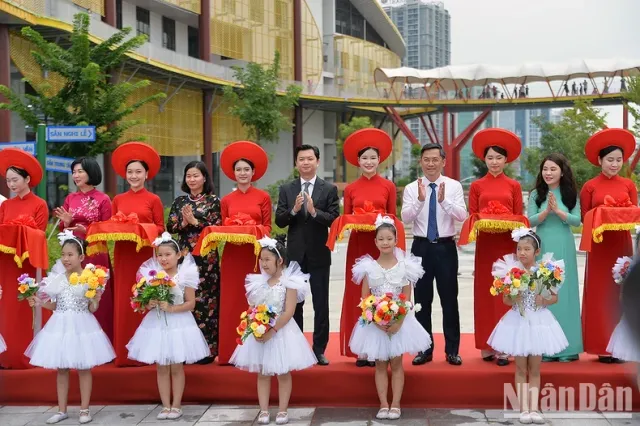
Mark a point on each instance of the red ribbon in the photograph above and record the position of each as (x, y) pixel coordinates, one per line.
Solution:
(623, 201)
(367, 208)
(495, 207)
(240, 219)
(122, 218)
(23, 220)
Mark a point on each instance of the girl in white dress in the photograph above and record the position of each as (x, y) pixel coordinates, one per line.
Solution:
(530, 336)
(168, 336)
(283, 348)
(3, 345)
(72, 337)
(393, 272)
(622, 345)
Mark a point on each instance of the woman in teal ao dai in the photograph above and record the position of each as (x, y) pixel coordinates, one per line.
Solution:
(553, 209)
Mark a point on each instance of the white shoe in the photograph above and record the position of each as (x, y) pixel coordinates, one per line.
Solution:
(383, 414)
(525, 418)
(56, 418)
(282, 418)
(175, 413)
(164, 414)
(264, 418)
(537, 418)
(85, 416)
(394, 414)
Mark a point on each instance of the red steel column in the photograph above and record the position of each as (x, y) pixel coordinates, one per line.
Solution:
(204, 31)
(110, 179)
(625, 117)
(297, 68)
(5, 79)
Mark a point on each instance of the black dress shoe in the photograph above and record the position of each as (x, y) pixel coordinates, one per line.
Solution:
(322, 360)
(422, 358)
(454, 359)
(205, 361)
(615, 360)
(362, 363)
(371, 363)
(489, 358)
(605, 359)
(503, 361)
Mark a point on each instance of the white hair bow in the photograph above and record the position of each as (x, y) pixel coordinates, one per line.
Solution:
(270, 243)
(382, 220)
(164, 238)
(67, 235)
(517, 234)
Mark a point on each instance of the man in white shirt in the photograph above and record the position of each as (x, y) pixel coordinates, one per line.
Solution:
(433, 204)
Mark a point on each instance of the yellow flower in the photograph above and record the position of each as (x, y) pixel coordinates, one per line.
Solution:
(93, 282)
(253, 326)
(23, 288)
(516, 283)
(493, 291)
(262, 308)
(376, 318)
(385, 308)
(258, 316)
(90, 294)
(100, 273)
(141, 282)
(265, 320)
(161, 275)
(73, 279)
(243, 315)
(369, 301)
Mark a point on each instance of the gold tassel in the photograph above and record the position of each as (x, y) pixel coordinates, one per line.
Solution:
(117, 236)
(210, 242)
(358, 227)
(597, 232)
(493, 226)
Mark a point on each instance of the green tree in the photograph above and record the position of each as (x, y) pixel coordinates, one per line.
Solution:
(256, 102)
(346, 129)
(568, 137)
(632, 95)
(89, 96)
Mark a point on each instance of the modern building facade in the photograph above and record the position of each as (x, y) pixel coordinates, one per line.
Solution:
(328, 47)
(426, 28)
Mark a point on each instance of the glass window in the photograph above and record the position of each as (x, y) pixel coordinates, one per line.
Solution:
(194, 42)
(143, 22)
(168, 33)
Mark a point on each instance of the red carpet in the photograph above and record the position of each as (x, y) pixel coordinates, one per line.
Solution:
(475, 384)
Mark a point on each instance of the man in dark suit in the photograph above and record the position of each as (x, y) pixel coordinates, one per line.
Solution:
(308, 206)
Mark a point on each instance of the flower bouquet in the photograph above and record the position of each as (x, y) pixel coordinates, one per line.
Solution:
(512, 284)
(157, 287)
(621, 269)
(549, 274)
(385, 310)
(27, 287)
(256, 321)
(94, 277)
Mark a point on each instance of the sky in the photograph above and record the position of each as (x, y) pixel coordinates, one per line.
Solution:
(513, 32)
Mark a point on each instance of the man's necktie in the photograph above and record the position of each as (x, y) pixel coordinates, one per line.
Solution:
(306, 191)
(432, 229)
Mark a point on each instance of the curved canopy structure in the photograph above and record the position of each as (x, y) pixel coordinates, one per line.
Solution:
(459, 76)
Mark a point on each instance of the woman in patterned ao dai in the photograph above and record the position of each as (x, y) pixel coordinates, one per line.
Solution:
(393, 272)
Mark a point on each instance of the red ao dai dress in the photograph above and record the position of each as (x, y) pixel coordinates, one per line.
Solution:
(382, 193)
(13, 312)
(601, 299)
(487, 309)
(149, 209)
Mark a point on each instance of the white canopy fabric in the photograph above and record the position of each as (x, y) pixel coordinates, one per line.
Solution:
(459, 76)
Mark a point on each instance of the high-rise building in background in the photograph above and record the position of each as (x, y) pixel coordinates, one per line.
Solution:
(426, 29)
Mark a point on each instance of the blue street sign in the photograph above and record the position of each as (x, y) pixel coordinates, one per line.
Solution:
(71, 134)
(59, 164)
(29, 147)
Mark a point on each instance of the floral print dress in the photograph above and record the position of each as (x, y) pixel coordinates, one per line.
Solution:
(206, 210)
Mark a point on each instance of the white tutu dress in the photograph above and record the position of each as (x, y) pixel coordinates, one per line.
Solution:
(537, 333)
(287, 350)
(170, 337)
(72, 338)
(369, 341)
(622, 345)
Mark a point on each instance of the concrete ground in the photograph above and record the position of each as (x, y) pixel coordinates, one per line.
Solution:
(215, 415)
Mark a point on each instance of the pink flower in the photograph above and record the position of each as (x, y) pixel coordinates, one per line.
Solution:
(369, 315)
